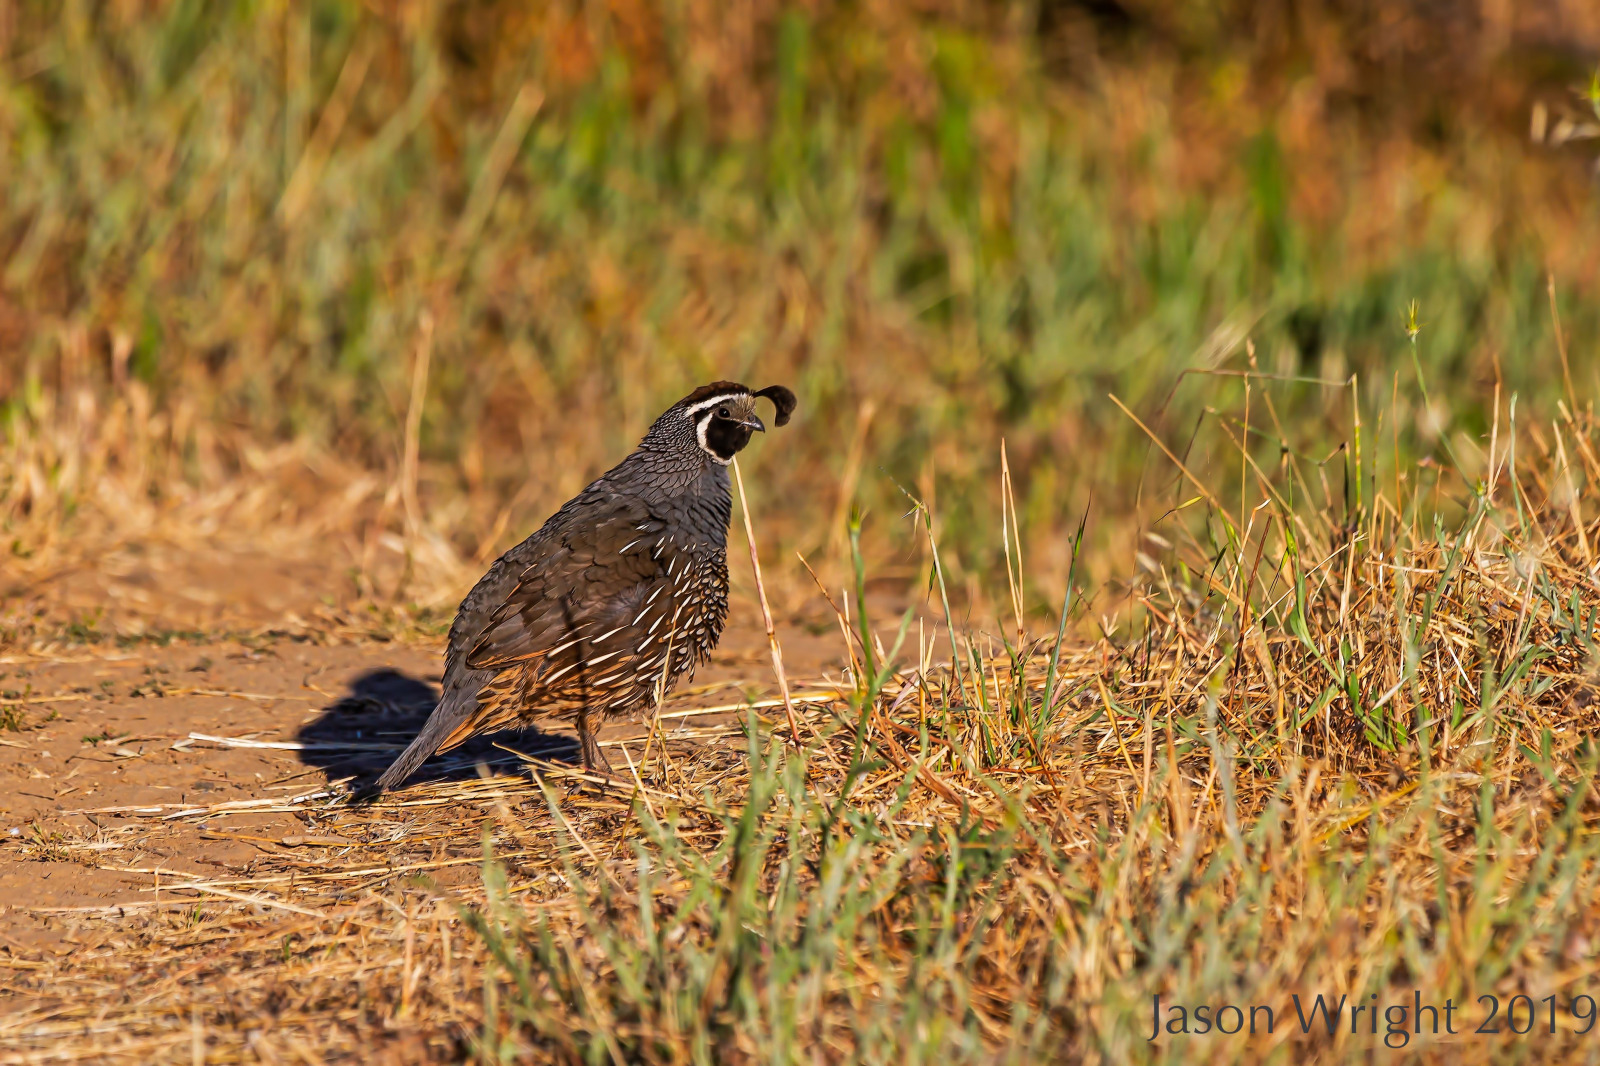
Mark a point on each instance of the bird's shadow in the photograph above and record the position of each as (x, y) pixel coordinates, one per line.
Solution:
(360, 734)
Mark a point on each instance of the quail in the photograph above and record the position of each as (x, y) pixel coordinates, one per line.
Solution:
(621, 593)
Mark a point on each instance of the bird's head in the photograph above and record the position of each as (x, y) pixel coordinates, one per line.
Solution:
(721, 416)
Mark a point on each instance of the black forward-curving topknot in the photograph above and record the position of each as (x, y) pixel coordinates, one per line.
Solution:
(782, 399)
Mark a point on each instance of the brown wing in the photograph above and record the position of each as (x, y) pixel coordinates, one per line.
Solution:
(590, 616)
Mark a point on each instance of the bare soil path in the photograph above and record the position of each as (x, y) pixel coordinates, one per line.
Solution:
(168, 856)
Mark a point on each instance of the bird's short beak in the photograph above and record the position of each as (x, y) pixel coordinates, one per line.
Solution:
(754, 423)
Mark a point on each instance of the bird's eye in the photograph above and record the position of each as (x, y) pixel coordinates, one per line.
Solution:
(722, 412)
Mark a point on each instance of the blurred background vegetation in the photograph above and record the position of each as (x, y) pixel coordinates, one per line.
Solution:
(944, 222)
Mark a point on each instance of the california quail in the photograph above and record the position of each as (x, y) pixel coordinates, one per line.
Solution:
(617, 596)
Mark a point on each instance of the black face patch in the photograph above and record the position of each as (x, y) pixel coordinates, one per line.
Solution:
(725, 433)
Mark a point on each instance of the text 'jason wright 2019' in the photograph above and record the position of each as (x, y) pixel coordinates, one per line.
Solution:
(1397, 1020)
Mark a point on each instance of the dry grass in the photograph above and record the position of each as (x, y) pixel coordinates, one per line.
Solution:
(1344, 751)
(1315, 714)
(232, 222)
(108, 486)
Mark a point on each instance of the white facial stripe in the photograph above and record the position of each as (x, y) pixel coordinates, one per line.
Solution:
(700, 432)
(714, 401)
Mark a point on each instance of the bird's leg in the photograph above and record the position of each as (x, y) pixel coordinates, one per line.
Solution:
(589, 748)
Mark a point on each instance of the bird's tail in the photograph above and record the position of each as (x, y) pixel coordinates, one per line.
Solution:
(455, 707)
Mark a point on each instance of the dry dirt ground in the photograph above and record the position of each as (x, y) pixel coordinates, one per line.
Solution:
(175, 884)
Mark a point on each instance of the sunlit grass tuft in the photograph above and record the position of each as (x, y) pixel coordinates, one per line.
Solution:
(1341, 749)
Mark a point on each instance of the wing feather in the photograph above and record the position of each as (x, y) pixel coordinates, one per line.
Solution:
(574, 601)
(570, 618)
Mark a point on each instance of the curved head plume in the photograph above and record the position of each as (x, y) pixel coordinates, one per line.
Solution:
(782, 401)
(721, 416)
